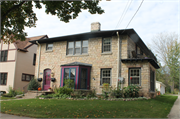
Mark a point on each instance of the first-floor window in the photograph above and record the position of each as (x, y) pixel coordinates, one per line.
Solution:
(69, 73)
(135, 76)
(27, 77)
(3, 78)
(105, 76)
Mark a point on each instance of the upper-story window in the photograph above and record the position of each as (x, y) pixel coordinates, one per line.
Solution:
(106, 46)
(4, 55)
(49, 46)
(77, 47)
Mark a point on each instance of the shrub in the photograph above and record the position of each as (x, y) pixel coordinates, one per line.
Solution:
(68, 83)
(11, 93)
(117, 93)
(33, 85)
(131, 91)
(63, 90)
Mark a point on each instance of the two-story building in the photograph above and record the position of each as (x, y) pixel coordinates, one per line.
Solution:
(17, 63)
(96, 57)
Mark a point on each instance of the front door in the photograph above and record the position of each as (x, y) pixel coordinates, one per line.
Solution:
(83, 79)
(47, 79)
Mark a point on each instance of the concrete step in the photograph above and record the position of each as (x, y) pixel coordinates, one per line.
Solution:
(30, 95)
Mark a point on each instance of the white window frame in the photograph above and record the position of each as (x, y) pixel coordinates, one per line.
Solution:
(103, 77)
(47, 47)
(84, 47)
(103, 45)
(77, 48)
(134, 76)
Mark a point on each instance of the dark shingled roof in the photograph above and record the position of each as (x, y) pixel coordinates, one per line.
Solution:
(150, 60)
(77, 64)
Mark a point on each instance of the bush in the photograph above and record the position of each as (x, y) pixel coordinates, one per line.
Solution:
(11, 93)
(63, 90)
(33, 85)
(68, 83)
(131, 91)
(117, 93)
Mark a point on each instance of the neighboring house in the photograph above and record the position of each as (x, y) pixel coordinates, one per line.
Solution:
(160, 87)
(96, 57)
(17, 63)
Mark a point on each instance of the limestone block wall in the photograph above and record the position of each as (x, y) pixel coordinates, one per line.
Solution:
(54, 59)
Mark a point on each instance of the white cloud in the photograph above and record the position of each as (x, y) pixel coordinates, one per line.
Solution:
(152, 18)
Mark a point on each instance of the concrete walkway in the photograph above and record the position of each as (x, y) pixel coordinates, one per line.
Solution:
(8, 116)
(175, 110)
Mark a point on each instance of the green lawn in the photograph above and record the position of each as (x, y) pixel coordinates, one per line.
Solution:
(54, 108)
(6, 98)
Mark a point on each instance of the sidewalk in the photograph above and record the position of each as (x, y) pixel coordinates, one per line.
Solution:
(175, 110)
(8, 116)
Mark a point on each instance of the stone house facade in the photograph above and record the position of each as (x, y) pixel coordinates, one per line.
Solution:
(94, 58)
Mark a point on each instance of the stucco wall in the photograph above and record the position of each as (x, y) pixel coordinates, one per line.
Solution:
(24, 65)
(8, 66)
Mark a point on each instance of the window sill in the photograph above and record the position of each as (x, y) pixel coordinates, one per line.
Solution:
(3, 85)
(47, 51)
(102, 86)
(79, 55)
(106, 53)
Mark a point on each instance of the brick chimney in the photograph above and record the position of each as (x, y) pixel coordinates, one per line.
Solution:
(95, 26)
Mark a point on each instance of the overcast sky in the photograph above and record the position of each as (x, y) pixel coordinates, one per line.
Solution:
(153, 17)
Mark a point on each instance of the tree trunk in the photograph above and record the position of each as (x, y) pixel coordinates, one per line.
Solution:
(172, 87)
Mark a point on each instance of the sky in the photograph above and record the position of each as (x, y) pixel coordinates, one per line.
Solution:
(153, 17)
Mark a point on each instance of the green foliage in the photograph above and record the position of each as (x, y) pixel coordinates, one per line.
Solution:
(131, 91)
(68, 83)
(33, 85)
(63, 90)
(12, 92)
(15, 15)
(117, 93)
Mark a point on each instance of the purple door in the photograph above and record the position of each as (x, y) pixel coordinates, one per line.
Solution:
(47, 79)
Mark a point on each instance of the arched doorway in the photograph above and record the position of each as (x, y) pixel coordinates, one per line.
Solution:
(47, 79)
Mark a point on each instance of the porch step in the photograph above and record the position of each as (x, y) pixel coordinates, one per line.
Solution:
(30, 95)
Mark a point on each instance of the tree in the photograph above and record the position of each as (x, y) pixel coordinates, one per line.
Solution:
(15, 15)
(167, 48)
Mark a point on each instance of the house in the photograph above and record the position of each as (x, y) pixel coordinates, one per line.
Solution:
(96, 57)
(160, 87)
(17, 63)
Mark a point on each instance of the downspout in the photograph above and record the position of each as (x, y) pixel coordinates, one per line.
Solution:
(119, 58)
(38, 58)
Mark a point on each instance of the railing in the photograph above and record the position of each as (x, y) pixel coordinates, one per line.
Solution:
(133, 54)
(25, 89)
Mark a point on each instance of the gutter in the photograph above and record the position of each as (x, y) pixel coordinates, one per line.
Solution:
(119, 57)
(38, 58)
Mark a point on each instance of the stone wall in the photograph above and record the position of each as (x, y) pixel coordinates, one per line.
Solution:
(54, 59)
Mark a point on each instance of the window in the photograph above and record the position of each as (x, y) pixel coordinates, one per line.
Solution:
(106, 45)
(34, 59)
(4, 55)
(105, 76)
(77, 47)
(135, 76)
(3, 78)
(85, 46)
(27, 77)
(69, 73)
(49, 46)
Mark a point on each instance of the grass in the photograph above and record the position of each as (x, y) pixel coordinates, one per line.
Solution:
(6, 98)
(54, 108)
